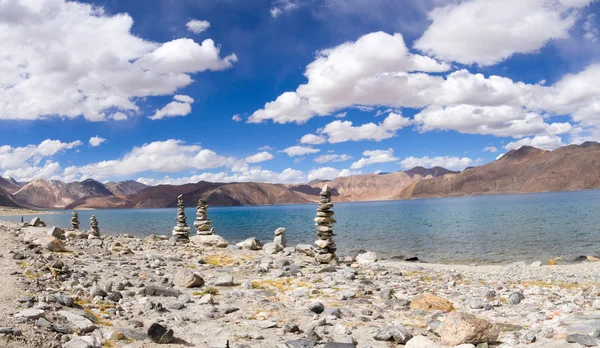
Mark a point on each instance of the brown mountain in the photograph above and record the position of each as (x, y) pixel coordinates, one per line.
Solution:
(125, 188)
(528, 169)
(428, 172)
(9, 184)
(99, 202)
(57, 194)
(6, 200)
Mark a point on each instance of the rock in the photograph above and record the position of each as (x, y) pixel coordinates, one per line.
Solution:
(396, 333)
(339, 345)
(324, 258)
(280, 237)
(188, 279)
(114, 296)
(212, 240)
(65, 300)
(37, 222)
(83, 342)
(305, 249)
(459, 328)
(366, 258)
(428, 302)
(250, 244)
(536, 264)
(421, 342)
(82, 324)
(303, 343)
(316, 307)
(272, 248)
(31, 313)
(516, 298)
(225, 280)
(176, 305)
(584, 340)
(157, 290)
(160, 334)
(44, 240)
(206, 299)
(96, 290)
(55, 232)
(76, 235)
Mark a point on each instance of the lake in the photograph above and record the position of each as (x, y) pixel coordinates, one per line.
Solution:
(492, 229)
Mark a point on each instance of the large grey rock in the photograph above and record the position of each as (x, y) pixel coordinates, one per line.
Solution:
(305, 249)
(516, 298)
(421, 342)
(42, 239)
(272, 248)
(366, 258)
(157, 290)
(584, 340)
(31, 313)
(37, 222)
(250, 244)
(55, 232)
(396, 333)
(225, 280)
(83, 342)
(459, 328)
(82, 324)
(188, 279)
(211, 240)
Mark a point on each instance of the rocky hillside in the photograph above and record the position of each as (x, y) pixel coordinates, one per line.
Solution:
(528, 169)
(125, 188)
(428, 172)
(55, 194)
(6, 200)
(10, 185)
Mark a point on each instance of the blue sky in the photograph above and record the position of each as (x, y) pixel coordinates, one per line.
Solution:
(118, 90)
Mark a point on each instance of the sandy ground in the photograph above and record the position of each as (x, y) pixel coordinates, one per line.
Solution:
(9, 211)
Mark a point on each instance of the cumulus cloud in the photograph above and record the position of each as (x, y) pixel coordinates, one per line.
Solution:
(374, 156)
(96, 141)
(491, 149)
(341, 131)
(287, 176)
(197, 26)
(312, 139)
(69, 59)
(447, 162)
(181, 106)
(590, 28)
(299, 150)
(237, 118)
(544, 142)
(259, 157)
(329, 173)
(283, 6)
(486, 32)
(24, 163)
(333, 158)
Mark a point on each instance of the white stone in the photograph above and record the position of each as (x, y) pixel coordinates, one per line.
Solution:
(421, 342)
(212, 240)
(366, 258)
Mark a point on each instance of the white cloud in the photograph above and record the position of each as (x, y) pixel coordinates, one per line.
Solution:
(332, 158)
(374, 156)
(181, 106)
(168, 156)
(70, 59)
(486, 32)
(374, 70)
(491, 149)
(590, 28)
(197, 26)
(312, 139)
(96, 141)
(341, 115)
(283, 6)
(237, 118)
(324, 173)
(259, 157)
(287, 176)
(23, 163)
(544, 142)
(341, 131)
(447, 162)
(299, 150)
(265, 148)
(118, 116)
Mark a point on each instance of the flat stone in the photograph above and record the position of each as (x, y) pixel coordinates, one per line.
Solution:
(250, 244)
(83, 342)
(226, 280)
(339, 345)
(584, 340)
(157, 290)
(31, 313)
(212, 240)
(83, 324)
(428, 302)
(421, 342)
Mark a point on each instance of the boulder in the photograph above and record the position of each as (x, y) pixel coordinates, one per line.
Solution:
(37, 222)
(366, 258)
(82, 324)
(76, 235)
(212, 240)
(428, 302)
(305, 249)
(272, 248)
(44, 240)
(460, 328)
(83, 342)
(188, 279)
(250, 244)
(160, 334)
(421, 342)
(56, 232)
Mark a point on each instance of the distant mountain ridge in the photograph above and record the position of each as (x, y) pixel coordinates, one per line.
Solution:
(10, 185)
(527, 169)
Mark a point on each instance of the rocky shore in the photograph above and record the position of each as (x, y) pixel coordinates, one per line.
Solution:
(120, 291)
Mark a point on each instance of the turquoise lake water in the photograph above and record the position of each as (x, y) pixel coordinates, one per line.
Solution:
(501, 228)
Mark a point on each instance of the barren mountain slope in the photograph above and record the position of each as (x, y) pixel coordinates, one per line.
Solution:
(56, 194)
(125, 188)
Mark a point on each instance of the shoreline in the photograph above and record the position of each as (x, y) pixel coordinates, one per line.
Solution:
(111, 291)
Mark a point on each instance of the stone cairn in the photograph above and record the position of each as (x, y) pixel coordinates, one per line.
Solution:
(324, 221)
(94, 229)
(75, 221)
(280, 237)
(202, 222)
(181, 231)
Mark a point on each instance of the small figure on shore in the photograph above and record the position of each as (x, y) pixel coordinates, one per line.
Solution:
(324, 221)
(181, 231)
(74, 221)
(94, 229)
(280, 237)
(202, 222)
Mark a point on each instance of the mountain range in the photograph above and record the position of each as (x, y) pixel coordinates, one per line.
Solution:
(528, 169)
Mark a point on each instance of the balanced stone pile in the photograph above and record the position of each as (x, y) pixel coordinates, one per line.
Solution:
(75, 221)
(280, 237)
(94, 229)
(181, 229)
(324, 221)
(202, 223)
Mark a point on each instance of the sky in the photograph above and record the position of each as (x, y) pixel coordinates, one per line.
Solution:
(289, 91)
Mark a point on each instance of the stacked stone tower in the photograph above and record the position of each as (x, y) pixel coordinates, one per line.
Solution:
(94, 229)
(181, 231)
(75, 221)
(324, 221)
(202, 222)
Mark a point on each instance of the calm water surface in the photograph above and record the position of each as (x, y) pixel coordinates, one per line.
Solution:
(466, 229)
